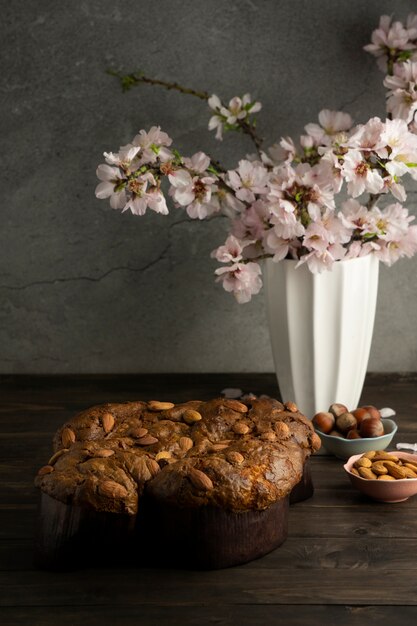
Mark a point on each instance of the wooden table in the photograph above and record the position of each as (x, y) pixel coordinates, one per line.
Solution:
(347, 559)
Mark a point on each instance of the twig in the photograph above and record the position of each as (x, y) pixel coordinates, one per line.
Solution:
(372, 200)
(132, 80)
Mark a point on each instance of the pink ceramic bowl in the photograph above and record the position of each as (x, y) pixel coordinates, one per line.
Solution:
(384, 491)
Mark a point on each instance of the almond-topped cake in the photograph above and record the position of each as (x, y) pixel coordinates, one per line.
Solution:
(222, 457)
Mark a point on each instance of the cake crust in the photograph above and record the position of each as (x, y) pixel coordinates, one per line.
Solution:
(234, 455)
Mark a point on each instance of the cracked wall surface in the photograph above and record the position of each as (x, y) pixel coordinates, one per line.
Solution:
(84, 288)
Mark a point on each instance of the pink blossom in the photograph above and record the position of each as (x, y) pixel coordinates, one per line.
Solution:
(284, 220)
(153, 145)
(243, 279)
(337, 231)
(331, 123)
(316, 237)
(411, 25)
(283, 151)
(392, 186)
(277, 246)
(392, 222)
(390, 251)
(229, 204)
(253, 221)
(356, 217)
(360, 249)
(359, 175)
(318, 260)
(123, 158)
(237, 110)
(396, 136)
(248, 179)
(230, 252)
(367, 137)
(113, 186)
(402, 94)
(386, 38)
(400, 150)
(196, 192)
(140, 196)
(156, 201)
(198, 163)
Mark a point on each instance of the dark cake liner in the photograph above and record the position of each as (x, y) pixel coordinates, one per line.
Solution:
(305, 488)
(73, 537)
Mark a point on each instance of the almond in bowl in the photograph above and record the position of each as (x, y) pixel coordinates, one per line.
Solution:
(384, 476)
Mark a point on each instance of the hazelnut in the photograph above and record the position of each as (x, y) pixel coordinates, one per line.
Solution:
(371, 427)
(335, 433)
(345, 422)
(373, 411)
(361, 414)
(338, 409)
(353, 434)
(324, 422)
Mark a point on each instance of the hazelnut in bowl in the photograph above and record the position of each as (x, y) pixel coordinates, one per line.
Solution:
(384, 476)
(346, 433)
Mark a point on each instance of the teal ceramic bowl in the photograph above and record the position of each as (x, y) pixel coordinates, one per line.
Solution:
(345, 448)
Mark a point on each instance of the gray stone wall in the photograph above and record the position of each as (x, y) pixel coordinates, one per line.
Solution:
(84, 288)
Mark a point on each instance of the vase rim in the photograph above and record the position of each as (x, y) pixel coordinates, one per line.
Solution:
(367, 257)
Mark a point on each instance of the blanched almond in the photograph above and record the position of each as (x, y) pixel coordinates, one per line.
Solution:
(46, 469)
(138, 432)
(235, 457)
(155, 405)
(200, 480)
(268, 436)
(164, 454)
(107, 421)
(379, 468)
(153, 467)
(185, 443)
(56, 456)
(282, 430)
(291, 406)
(190, 416)
(235, 405)
(139, 470)
(366, 472)
(111, 489)
(67, 437)
(216, 447)
(363, 462)
(103, 453)
(240, 428)
(147, 440)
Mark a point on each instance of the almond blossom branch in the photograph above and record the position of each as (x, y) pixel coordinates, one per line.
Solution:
(234, 117)
(132, 80)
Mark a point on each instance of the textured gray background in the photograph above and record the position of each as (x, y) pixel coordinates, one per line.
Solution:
(84, 288)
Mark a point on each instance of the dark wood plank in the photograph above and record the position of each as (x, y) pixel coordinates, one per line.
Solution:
(291, 615)
(369, 553)
(215, 615)
(240, 585)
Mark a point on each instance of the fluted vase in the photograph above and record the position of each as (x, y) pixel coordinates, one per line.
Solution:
(321, 329)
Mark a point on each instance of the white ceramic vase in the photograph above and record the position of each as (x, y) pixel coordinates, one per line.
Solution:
(321, 330)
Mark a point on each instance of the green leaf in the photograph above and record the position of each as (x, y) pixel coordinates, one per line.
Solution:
(178, 157)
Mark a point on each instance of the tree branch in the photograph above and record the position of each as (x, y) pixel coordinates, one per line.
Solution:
(132, 80)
